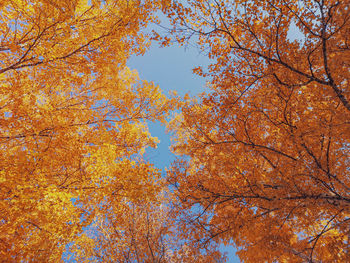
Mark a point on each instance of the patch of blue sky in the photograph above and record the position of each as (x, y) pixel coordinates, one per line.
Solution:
(172, 69)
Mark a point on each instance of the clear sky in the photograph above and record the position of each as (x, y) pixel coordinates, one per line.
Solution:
(171, 69)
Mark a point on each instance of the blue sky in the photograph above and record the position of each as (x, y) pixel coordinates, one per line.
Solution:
(171, 69)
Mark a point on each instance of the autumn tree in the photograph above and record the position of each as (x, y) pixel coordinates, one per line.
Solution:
(144, 231)
(266, 152)
(72, 119)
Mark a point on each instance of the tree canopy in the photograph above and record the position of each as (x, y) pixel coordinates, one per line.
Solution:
(263, 157)
(266, 153)
(73, 120)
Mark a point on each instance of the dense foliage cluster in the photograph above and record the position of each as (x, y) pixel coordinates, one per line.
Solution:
(263, 158)
(73, 120)
(269, 146)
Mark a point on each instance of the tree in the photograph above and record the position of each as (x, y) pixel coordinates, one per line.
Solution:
(266, 153)
(145, 231)
(73, 120)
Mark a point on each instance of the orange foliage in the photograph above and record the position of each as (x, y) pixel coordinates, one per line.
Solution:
(142, 232)
(269, 146)
(72, 119)
(266, 153)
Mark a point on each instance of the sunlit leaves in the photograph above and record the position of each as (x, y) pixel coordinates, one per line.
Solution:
(73, 121)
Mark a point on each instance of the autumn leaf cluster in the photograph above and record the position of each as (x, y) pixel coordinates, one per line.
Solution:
(266, 153)
(263, 158)
(73, 120)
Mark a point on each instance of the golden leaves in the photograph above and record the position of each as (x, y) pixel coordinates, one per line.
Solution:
(264, 156)
(269, 138)
(76, 120)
